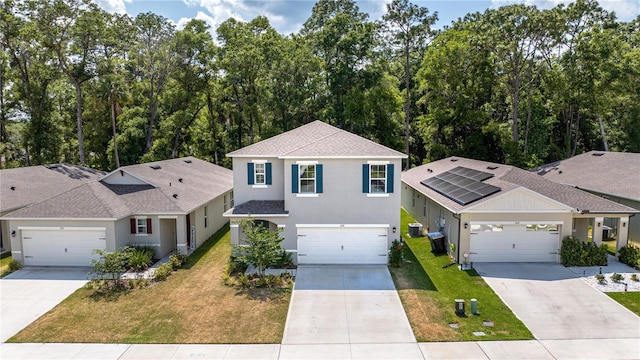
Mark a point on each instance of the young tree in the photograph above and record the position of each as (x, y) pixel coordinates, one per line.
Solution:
(409, 26)
(263, 245)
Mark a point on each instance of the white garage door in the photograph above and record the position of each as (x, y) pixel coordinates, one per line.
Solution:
(514, 243)
(62, 247)
(342, 245)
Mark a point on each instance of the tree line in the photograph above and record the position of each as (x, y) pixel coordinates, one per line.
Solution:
(516, 84)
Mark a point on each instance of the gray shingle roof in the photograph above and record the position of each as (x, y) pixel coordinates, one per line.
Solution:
(612, 173)
(34, 184)
(201, 182)
(508, 178)
(260, 207)
(316, 140)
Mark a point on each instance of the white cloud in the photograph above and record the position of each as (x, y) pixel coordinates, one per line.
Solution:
(113, 6)
(199, 16)
(625, 10)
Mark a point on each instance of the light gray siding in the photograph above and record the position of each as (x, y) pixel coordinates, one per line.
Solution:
(244, 192)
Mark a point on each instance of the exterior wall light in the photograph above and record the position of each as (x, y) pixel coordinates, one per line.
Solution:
(394, 229)
(466, 225)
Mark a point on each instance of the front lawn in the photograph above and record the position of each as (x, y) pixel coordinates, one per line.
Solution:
(630, 300)
(428, 291)
(192, 306)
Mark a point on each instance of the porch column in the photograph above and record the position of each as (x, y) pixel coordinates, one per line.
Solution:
(596, 232)
(623, 233)
(581, 228)
(181, 235)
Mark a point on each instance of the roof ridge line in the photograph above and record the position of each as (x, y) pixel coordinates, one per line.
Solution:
(337, 130)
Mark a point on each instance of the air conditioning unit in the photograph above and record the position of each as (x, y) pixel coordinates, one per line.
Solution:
(415, 230)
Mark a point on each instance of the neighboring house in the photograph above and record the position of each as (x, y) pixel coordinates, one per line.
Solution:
(24, 186)
(500, 213)
(172, 205)
(335, 195)
(611, 175)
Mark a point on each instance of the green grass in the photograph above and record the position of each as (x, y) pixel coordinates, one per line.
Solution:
(4, 266)
(428, 289)
(630, 300)
(611, 246)
(192, 306)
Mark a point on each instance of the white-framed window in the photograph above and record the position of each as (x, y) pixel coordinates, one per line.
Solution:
(231, 198)
(307, 179)
(424, 210)
(141, 226)
(260, 174)
(378, 179)
(206, 219)
(413, 198)
(224, 202)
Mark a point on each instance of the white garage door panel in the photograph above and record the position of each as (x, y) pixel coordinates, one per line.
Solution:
(342, 245)
(514, 244)
(57, 247)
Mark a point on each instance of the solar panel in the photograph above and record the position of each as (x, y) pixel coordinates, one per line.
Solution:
(462, 185)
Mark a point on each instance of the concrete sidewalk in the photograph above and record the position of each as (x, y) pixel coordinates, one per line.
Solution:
(621, 349)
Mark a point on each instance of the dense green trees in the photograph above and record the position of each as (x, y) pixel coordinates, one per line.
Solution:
(514, 84)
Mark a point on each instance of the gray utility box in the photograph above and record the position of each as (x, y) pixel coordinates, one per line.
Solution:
(415, 230)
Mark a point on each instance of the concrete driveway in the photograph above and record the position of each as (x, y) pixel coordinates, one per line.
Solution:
(554, 304)
(346, 305)
(27, 294)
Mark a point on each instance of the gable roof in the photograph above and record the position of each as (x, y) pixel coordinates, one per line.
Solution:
(177, 186)
(317, 140)
(20, 187)
(507, 178)
(606, 172)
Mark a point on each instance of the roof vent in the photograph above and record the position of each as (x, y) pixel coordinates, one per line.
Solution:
(188, 161)
(597, 154)
(180, 180)
(492, 167)
(429, 170)
(13, 188)
(560, 172)
(155, 167)
(454, 160)
(175, 196)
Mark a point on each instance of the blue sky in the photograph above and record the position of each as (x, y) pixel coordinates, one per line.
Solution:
(287, 16)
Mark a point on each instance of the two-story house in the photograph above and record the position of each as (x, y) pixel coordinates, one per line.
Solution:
(335, 195)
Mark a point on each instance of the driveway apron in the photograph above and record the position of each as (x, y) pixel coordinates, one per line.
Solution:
(346, 305)
(27, 294)
(554, 304)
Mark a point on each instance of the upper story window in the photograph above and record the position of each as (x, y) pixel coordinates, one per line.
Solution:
(306, 178)
(377, 178)
(259, 173)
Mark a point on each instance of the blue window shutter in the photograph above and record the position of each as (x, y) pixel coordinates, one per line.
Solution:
(365, 178)
(319, 178)
(294, 178)
(267, 170)
(390, 178)
(250, 174)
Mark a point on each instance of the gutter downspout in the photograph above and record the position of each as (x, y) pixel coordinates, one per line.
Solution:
(457, 216)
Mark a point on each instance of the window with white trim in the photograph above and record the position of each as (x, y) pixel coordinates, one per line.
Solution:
(141, 226)
(231, 198)
(206, 219)
(225, 204)
(307, 179)
(378, 179)
(259, 174)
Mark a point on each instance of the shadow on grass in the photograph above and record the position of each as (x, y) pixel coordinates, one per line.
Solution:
(109, 293)
(195, 257)
(411, 275)
(274, 294)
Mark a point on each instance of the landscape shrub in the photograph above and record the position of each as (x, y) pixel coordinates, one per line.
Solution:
(575, 252)
(395, 254)
(600, 278)
(141, 257)
(177, 260)
(617, 277)
(14, 265)
(163, 271)
(285, 261)
(630, 255)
